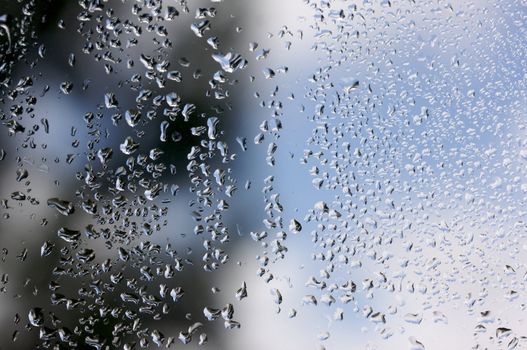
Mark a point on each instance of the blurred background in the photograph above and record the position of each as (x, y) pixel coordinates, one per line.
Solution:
(345, 174)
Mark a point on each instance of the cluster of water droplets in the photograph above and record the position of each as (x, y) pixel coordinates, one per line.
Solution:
(416, 146)
(408, 119)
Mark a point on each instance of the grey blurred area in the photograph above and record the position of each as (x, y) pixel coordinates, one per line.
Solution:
(47, 46)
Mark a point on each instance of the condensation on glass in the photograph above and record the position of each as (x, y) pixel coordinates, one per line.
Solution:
(208, 174)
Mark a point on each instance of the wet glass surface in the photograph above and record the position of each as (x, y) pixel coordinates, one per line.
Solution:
(232, 174)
